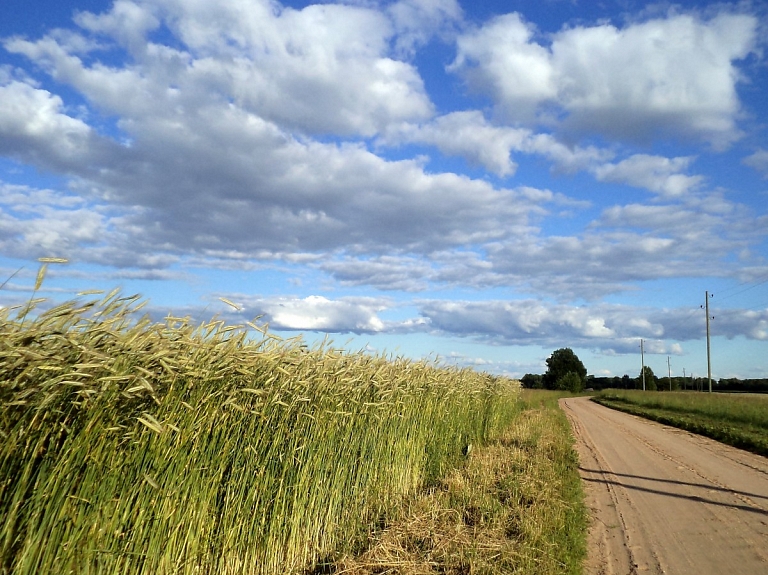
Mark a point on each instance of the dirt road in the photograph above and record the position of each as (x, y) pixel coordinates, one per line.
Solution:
(667, 501)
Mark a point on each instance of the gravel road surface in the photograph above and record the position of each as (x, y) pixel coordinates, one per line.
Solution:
(667, 501)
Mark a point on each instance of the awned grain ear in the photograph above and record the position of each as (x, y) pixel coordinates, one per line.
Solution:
(44, 268)
(40, 276)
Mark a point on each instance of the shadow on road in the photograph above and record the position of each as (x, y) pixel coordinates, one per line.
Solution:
(606, 481)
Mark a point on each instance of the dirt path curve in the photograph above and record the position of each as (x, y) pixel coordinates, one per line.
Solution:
(667, 501)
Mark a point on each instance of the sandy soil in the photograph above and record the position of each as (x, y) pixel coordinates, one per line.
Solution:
(666, 501)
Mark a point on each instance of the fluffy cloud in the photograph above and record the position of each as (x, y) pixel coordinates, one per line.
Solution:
(211, 160)
(323, 69)
(655, 173)
(611, 328)
(214, 156)
(673, 76)
(222, 178)
(468, 134)
(384, 272)
(758, 161)
(35, 129)
(502, 59)
(417, 21)
(127, 22)
(35, 223)
(624, 245)
(317, 313)
(40, 223)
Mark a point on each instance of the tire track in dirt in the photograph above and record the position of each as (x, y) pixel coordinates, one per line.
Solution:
(610, 547)
(667, 501)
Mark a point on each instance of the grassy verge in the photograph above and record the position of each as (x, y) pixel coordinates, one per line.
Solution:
(738, 420)
(514, 507)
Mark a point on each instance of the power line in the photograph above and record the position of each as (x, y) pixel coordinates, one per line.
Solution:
(745, 289)
(680, 321)
(760, 281)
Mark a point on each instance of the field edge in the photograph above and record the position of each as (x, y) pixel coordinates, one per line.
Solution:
(735, 434)
(515, 506)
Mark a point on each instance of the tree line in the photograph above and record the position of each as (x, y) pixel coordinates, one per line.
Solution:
(566, 372)
(679, 384)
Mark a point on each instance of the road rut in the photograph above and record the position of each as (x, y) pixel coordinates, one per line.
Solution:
(667, 501)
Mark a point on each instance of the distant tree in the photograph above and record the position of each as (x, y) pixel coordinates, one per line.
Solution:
(650, 379)
(559, 364)
(571, 381)
(532, 381)
(625, 381)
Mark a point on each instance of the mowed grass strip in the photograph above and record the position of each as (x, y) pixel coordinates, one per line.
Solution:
(735, 419)
(516, 506)
(135, 447)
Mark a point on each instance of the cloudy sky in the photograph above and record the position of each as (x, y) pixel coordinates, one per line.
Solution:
(480, 181)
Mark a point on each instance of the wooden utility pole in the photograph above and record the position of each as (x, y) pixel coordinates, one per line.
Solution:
(709, 362)
(669, 374)
(642, 362)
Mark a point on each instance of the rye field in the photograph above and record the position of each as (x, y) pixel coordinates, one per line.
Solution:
(740, 420)
(130, 446)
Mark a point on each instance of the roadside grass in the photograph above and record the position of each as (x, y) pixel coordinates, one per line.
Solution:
(516, 506)
(738, 420)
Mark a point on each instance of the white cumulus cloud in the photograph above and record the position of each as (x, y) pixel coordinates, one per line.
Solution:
(470, 135)
(672, 76)
(317, 313)
(656, 173)
(758, 161)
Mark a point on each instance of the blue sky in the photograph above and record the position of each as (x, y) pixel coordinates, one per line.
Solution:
(482, 182)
